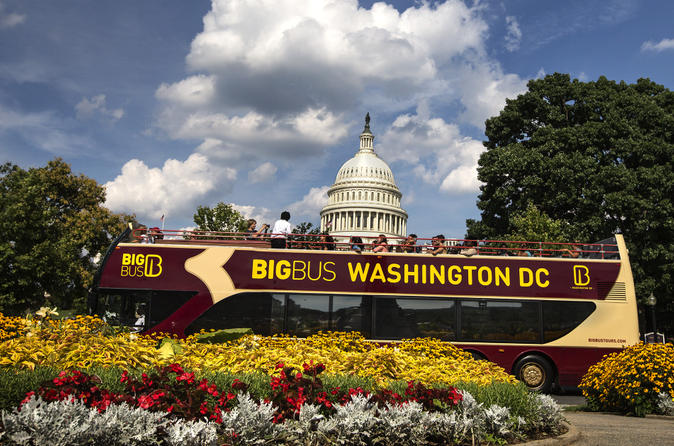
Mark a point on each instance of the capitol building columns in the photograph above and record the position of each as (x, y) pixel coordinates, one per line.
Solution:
(364, 200)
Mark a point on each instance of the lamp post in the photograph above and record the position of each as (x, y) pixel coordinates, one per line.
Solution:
(651, 301)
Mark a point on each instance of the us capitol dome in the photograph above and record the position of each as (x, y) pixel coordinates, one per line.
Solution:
(364, 201)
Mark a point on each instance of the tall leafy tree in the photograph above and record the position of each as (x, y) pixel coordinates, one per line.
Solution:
(53, 229)
(306, 235)
(221, 218)
(596, 155)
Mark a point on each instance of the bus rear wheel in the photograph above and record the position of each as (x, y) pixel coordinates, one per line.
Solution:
(535, 372)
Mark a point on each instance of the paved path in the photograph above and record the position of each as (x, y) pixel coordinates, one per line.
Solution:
(599, 429)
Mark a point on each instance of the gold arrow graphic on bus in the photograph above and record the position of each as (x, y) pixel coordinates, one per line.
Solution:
(208, 267)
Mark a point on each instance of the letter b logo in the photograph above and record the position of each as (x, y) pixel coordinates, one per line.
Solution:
(581, 275)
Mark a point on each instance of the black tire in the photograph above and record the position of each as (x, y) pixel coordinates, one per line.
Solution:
(535, 372)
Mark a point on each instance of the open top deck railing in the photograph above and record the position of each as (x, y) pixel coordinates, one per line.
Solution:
(467, 247)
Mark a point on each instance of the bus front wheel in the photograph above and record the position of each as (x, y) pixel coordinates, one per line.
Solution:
(535, 372)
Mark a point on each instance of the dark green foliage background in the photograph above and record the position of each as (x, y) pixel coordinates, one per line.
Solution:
(52, 226)
(597, 156)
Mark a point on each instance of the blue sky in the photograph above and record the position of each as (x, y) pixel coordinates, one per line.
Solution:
(174, 104)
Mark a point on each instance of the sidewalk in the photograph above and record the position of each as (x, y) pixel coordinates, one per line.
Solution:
(602, 429)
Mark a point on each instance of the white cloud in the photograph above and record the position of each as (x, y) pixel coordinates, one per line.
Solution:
(484, 90)
(514, 34)
(274, 78)
(260, 214)
(194, 92)
(435, 150)
(265, 136)
(11, 19)
(311, 204)
(664, 44)
(88, 108)
(262, 173)
(175, 188)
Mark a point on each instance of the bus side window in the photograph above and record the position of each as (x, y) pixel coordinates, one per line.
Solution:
(398, 318)
(500, 321)
(560, 317)
(261, 312)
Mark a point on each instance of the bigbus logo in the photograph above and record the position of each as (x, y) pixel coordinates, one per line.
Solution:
(581, 275)
(141, 265)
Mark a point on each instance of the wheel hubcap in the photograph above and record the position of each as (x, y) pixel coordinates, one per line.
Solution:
(532, 375)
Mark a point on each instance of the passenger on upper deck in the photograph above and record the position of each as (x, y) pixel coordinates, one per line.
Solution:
(575, 251)
(280, 231)
(381, 244)
(409, 245)
(469, 248)
(327, 243)
(252, 235)
(155, 234)
(438, 245)
(356, 244)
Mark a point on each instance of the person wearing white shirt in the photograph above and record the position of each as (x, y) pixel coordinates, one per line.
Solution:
(280, 231)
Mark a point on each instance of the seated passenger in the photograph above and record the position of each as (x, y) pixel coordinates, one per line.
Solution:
(410, 244)
(156, 234)
(575, 251)
(381, 244)
(469, 248)
(250, 231)
(438, 245)
(356, 244)
(327, 243)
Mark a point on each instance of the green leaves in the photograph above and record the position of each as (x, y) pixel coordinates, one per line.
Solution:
(597, 156)
(221, 218)
(52, 226)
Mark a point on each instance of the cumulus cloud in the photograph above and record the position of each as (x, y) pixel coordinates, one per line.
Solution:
(514, 34)
(278, 77)
(260, 135)
(484, 91)
(10, 19)
(263, 172)
(311, 204)
(96, 106)
(664, 44)
(435, 150)
(259, 213)
(172, 189)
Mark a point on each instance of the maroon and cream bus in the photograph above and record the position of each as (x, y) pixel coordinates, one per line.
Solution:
(545, 318)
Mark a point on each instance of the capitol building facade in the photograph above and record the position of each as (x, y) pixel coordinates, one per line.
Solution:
(364, 201)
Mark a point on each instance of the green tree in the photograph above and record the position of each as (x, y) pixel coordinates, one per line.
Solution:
(53, 228)
(221, 218)
(596, 155)
(532, 224)
(307, 238)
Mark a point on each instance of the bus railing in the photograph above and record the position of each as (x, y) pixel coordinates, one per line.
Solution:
(467, 247)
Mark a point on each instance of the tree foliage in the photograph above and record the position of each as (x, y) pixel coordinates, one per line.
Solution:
(221, 218)
(532, 224)
(596, 155)
(53, 228)
(307, 234)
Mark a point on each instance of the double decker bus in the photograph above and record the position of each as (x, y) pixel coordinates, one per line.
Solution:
(545, 318)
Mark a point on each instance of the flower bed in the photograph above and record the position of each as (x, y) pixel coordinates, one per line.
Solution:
(330, 388)
(172, 406)
(637, 380)
(86, 342)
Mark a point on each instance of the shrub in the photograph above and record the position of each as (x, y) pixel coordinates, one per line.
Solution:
(14, 384)
(72, 422)
(629, 381)
(85, 342)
